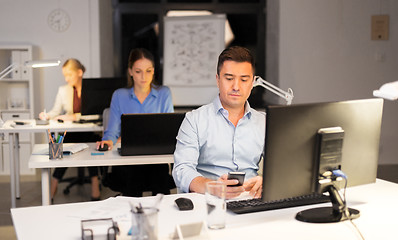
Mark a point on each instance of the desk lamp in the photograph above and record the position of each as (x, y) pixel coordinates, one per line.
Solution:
(387, 91)
(32, 64)
(288, 96)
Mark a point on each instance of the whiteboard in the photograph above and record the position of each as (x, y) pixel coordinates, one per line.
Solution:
(192, 45)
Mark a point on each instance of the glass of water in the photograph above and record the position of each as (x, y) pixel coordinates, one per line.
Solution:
(216, 206)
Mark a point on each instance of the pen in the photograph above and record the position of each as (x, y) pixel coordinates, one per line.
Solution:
(49, 136)
(63, 136)
(45, 114)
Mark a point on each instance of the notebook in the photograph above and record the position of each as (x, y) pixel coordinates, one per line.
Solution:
(150, 133)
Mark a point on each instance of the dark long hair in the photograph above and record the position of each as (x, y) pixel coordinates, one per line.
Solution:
(135, 55)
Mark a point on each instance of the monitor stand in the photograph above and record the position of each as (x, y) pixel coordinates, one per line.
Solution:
(337, 213)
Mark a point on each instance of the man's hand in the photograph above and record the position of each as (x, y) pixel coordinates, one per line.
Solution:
(255, 186)
(231, 191)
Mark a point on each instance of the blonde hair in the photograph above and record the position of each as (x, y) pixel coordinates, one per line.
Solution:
(74, 64)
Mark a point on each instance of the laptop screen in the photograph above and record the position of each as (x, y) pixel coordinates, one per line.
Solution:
(149, 134)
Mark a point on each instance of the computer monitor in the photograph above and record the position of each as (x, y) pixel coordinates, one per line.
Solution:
(97, 94)
(291, 151)
(149, 133)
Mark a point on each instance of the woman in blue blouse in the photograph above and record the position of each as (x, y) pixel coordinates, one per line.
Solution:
(141, 96)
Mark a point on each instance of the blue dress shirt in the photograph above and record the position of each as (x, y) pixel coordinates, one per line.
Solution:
(125, 101)
(209, 145)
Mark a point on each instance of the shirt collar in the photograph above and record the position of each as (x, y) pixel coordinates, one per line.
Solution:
(154, 92)
(219, 108)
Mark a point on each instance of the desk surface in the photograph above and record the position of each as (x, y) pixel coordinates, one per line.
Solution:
(377, 203)
(13, 134)
(84, 158)
(53, 126)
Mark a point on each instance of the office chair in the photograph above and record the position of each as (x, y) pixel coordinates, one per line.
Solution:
(105, 169)
(109, 180)
(80, 179)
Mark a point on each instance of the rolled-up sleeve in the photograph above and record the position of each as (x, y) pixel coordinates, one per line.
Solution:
(186, 154)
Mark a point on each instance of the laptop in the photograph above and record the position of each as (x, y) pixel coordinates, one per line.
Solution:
(149, 133)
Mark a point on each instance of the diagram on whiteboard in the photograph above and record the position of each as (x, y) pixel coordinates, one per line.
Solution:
(192, 46)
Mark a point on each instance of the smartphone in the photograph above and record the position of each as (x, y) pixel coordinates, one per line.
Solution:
(240, 176)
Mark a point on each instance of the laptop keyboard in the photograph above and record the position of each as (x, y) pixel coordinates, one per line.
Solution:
(258, 205)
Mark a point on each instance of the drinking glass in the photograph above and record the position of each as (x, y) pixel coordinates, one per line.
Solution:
(216, 206)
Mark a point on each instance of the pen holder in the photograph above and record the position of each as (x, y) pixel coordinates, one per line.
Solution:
(145, 224)
(55, 150)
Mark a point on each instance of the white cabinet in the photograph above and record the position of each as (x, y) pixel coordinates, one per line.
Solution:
(16, 101)
(25, 150)
(24, 137)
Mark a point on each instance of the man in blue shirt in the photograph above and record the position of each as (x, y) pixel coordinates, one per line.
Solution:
(225, 135)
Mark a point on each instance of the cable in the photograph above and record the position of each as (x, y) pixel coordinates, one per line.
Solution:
(339, 173)
(356, 228)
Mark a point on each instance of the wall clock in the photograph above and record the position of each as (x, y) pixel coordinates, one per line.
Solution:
(58, 20)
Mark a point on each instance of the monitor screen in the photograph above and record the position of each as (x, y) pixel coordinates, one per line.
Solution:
(291, 144)
(149, 133)
(97, 94)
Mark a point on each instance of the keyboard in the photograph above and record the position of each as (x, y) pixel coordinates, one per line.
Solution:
(88, 121)
(258, 205)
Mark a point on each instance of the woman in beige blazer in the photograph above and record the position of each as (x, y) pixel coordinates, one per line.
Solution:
(67, 107)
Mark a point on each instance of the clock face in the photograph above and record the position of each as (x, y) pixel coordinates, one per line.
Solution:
(58, 20)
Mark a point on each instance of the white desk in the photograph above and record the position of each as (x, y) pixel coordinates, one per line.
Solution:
(13, 134)
(85, 159)
(377, 203)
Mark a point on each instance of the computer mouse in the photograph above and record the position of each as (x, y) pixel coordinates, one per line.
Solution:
(104, 148)
(184, 204)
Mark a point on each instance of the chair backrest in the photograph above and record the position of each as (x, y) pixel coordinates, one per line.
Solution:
(105, 118)
(105, 169)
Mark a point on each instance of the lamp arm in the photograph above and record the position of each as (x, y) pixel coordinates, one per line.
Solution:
(33, 64)
(288, 96)
(7, 70)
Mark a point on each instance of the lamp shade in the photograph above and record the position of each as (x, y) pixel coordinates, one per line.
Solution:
(387, 91)
(42, 63)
